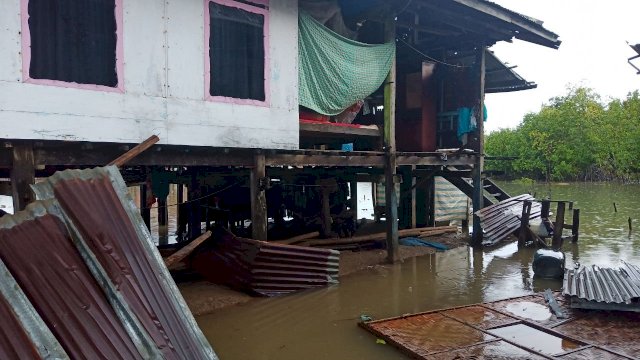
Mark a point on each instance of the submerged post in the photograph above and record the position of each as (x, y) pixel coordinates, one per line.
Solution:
(558, 227)
(391, 203)
(258, 198)
(478, 188)
(23, 175)
(524, 223)
(575, 225)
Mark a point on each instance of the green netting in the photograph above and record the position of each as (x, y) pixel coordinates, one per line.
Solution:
(335, 72)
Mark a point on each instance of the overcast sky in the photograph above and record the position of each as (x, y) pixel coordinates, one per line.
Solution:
(593, 53)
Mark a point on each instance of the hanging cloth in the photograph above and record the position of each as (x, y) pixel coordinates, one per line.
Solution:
(336, 72)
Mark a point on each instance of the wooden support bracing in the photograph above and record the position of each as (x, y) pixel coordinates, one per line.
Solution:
(391, 197)
(258, 184)
(478, 188)
(23, 175)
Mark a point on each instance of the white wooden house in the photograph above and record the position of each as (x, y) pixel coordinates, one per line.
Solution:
(160, 51)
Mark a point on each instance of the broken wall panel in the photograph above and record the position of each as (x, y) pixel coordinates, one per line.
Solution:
(39, 253)
(98, 212)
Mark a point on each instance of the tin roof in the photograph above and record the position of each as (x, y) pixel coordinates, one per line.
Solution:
(602, 286)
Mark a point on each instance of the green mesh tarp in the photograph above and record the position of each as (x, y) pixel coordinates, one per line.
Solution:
(335, 72)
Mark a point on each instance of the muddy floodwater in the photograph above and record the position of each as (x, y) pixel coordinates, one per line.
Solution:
(322, 324)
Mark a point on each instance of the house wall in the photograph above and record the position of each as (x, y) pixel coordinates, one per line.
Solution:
(164, 85)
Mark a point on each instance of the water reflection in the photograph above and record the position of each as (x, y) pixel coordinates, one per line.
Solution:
(321, 324)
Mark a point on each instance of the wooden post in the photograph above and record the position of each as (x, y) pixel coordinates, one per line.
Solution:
(390, 149)
(145, 211)
(413, 198)
(325, 215)
(259, 198)
(163, 221)
(524, 223)
(353, 192)
(544, 212)
(406, 199)
(23, 175)
(575, 225)
(558, 226)
(195, 211)
(181, 216)
(478, 188)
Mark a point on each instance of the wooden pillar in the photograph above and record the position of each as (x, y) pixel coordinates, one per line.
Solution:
(544, 212)
(145, 211)
(478, 188)
(163, 221)
(181, 216)
(575, 225)
(23, 175)
(258, 184)
(390, 170)
(524, 223)
(413, 198)
(407, 198)
(353, 192)
(193, 207)
(558, 227)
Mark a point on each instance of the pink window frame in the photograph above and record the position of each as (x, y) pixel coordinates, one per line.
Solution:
(207, 66)
(26, 55)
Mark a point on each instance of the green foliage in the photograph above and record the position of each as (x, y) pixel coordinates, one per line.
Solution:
(575, 137)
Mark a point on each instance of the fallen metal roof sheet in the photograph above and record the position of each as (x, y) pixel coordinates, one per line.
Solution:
(265, 268)
(501, 219)
(592, 287)
(23, 333)
(87, 265)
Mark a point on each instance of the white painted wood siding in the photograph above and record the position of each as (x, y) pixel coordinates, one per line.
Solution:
(164, 86)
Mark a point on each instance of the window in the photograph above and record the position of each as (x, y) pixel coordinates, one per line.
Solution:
(73, 43)
(237, 52)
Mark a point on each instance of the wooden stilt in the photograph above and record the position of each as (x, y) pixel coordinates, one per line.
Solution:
(181, 218)
(413, 199)
(163, 221)
(193, 207)
(353, 192)
(523, 233)
(558, 227)
(575, 225)
(145, 211)
(23, 175)
(391, 198)
(477, 170)
(406, 214)
(259, 198)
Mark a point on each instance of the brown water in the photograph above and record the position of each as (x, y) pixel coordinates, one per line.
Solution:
(322, 324)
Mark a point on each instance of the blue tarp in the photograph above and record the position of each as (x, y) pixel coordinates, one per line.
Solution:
(412, 241)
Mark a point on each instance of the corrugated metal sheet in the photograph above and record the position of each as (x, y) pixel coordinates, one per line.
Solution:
(265, 268)
(594, 287)
(502, 219)
(87, 265)
(23, 334)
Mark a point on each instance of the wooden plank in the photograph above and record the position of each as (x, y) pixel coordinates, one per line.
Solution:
(137, 150)
(430, 159)
(258, 198)
(379, 237)
(23, 175)
(324, 160)
(314, 129)
(299, 238)
(186, 251)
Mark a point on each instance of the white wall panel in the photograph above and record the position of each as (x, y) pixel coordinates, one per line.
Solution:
(164, 86)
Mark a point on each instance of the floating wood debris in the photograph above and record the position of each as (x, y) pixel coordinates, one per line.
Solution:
(265, 268)
(87, 265)
(593, 287)
(502, 219)
(516, 328)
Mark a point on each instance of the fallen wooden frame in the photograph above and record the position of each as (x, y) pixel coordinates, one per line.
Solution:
(181, 254)
(381, 237)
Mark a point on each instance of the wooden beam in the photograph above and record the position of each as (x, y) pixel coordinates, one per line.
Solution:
(186, 251)
(435, 160)
(23, 174)
(391, 197)
(137, 150)
(478, 188)
(145, 211)
(314, 129)
(325, 160)
(556, 242)
(258, 183)
(575, 225)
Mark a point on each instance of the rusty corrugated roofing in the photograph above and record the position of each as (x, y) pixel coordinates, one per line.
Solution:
(596, 287)
(265, 268)
(97, 203)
